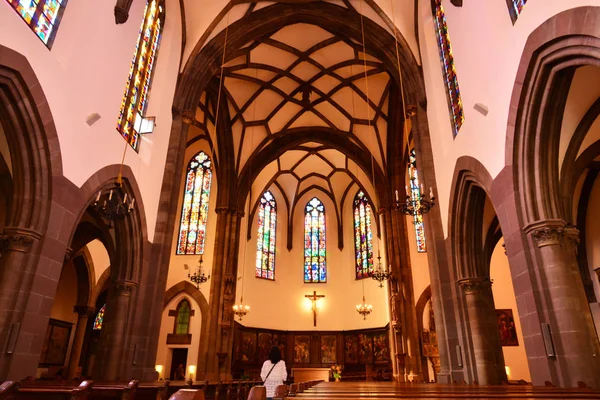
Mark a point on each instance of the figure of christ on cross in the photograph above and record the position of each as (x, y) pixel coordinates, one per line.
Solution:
(314, 297)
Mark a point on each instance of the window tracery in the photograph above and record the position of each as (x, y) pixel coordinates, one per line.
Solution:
(415, 193)
(265, 242)
(315, 268)
(363, 237)
(182, 321)
(515, 7)
(42, 16)
(99, 319)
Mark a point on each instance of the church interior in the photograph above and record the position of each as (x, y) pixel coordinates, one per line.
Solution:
(391, 192)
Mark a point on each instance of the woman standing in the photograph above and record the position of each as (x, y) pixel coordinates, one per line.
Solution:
(273, 372)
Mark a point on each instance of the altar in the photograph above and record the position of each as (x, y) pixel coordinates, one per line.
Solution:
(310, 374)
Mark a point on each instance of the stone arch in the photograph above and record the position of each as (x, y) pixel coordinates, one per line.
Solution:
(36, 160)
(189, 289)
(539, 242)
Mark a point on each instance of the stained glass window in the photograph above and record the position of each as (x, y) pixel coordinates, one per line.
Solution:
(99, 319)
(42, 16)
(515, 7)
(415, 192)
(194, 213)
(182, 323)
(265, 243)
(448, 68)
(363, 238)
(140, 72)
(315, 269)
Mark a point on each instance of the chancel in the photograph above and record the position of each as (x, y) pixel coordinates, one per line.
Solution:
(421, 176)
(314, 297)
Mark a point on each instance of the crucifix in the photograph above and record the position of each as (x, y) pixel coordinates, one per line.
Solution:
(314, 297)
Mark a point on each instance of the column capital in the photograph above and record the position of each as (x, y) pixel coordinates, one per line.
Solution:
(548, 232)
(18, 239)
(84, 311)
(125, 287)
(474, 285)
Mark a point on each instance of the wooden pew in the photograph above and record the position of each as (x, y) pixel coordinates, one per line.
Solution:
(13, 390)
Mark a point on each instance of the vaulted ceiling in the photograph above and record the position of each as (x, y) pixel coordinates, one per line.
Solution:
(310, 86)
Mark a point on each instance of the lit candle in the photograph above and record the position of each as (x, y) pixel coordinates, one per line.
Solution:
(397, 199)
(430, 192)
(422, 188)
(98, 197)
(110, 195)
(132, 203)
(407, 192)
(125, 199)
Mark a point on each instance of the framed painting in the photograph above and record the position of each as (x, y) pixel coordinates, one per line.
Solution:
(249, 347)
(351, 349)
(365, 348)
(280, 341)
(507, 328)
(56, 343)
(265, 341)
(381, 351)
(328, 349)
(302, 349)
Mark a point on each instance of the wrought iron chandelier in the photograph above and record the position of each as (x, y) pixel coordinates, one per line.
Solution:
(380, 273)
(198, 277)
(364, 309)
(417, 203)
(112, 205)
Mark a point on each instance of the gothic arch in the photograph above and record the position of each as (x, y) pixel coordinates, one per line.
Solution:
(189, 289)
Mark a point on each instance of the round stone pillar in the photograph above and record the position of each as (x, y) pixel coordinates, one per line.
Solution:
(83, 314)
(487, 349)
(572, 344)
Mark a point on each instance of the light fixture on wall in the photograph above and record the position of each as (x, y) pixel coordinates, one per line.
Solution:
(198, 277)
(380, 272)
(416, 202)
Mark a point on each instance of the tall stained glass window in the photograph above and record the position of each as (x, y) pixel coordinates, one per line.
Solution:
(42, 16)
(515, 7)
(182, 323)
(415, 193)
(194, 213)
(265, 243)
(134, 100)
(315, 268)
(363, 238)
(99, 319)
(448, 69)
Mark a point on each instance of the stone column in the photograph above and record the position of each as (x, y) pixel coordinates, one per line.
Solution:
(117, 329)
(484, 330)
(17, 268)
(564, 305)
(83, 313)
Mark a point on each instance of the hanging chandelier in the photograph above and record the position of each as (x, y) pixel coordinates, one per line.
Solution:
(415, 204)
(364, 309)
(198, 277)
(112, 205)
(240, 310)
(380, 273)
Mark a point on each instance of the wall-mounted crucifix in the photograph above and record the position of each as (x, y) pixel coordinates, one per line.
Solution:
(314, 297)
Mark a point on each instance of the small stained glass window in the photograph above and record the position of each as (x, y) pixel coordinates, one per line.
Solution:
(363, 238)
(515, 7)
(194, 213)
(99, 319)
(415, 193)
(133, 104)
(182, 324)
(315, 268)
(265, 242)
(448, 68)
(42, 16)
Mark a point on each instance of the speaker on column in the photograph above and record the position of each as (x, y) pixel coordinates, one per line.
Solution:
(548, 342)
(459, 355)
(13, 333)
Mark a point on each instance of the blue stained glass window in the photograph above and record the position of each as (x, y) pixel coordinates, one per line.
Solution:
(99, 319)
(515, 7)
(363, 237)
(448, 68)
(194, 212)
(42, 16)
(315, 268)
(265, 242)
(415, 192)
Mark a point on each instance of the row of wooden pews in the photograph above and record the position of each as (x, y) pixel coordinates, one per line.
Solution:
(223, 390)
(86, 390)
(391, 390)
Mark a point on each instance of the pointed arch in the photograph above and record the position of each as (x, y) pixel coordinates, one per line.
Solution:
(315, 267)
(265, 241)
(183, 312)
(194, 210)
(138, 84)
(363, 236)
